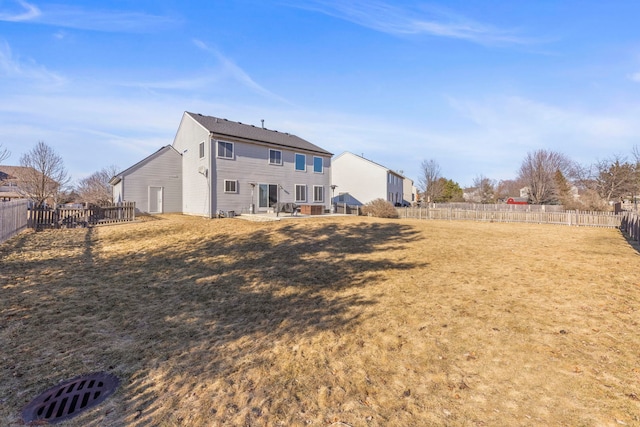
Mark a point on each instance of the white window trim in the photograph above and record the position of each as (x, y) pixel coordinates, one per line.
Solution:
(233, 149)
(314, 194)
(296, 193)
(321, 164)
(235, 181)
(295, 162)
(201, 150)
(275, 164)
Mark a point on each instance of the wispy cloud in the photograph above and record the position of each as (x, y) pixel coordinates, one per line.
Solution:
(12, 68)
(635, 77)
(233, 71)
(518, 123)
(22, 11)
(84, 19)
(395, 20)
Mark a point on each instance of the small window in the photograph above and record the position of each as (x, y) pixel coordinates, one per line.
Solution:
(318, 193)
(230, 186)
(301, 162)
(275, 157)
(317, 164)
(301, 193)
(201, 149)
(225, 150)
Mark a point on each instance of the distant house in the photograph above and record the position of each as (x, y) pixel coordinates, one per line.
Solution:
(9, 189)
(517, 201)
(216, 165)
(22, 182)
(365, 180)
(409, 192)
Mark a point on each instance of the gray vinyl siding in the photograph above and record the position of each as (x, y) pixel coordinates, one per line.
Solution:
(251, 165)
(196, 196)
(162, 169)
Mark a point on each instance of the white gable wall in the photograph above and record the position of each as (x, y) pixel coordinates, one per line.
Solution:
(162, 169)
(363, 180)
(196, 194)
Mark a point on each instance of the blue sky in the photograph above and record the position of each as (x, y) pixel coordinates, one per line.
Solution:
(474, 85)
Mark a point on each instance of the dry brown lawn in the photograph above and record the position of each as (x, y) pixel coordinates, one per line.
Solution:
(326, 321)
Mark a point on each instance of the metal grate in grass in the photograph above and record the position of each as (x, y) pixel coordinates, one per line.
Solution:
(70, 398)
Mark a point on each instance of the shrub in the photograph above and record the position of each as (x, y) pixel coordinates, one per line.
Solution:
(380, 208)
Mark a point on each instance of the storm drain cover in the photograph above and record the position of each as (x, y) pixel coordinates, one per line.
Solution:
(70, 398)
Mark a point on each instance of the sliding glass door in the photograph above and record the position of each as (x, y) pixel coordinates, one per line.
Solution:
(267, 195)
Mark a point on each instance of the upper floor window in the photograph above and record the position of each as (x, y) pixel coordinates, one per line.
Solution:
(201, 149)
(301, 162)
(275, 157)
(225, 149)
(317, 164)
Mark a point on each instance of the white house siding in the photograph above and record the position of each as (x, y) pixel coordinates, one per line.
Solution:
(161, 169)
(251, 165)
(196, 194)
(363, 179)
(394, 188)
(408, 191)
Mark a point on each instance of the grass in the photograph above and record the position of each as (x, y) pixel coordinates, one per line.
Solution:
(327, 321)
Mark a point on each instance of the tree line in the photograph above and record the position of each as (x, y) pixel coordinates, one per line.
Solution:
(43, 178)
(544, 177)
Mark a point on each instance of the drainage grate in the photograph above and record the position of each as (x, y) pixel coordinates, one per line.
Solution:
(70, 398)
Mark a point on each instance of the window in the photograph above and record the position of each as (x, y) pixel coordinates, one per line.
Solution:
(230, 186)
(301, 162)
(317, 164)
(275, 157)
(301, 193)
(318, 193)
(225, 149)
(201, 149)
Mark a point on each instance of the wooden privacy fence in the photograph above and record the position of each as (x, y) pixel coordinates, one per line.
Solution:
(13, 218)
(630, 224)
(577, 218)
(63, 217)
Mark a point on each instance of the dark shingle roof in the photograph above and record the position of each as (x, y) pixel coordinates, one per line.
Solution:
(225, 127)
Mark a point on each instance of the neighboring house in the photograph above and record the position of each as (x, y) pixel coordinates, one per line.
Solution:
(225, 166)
(409, 192)
(365, 180)
(154, 183)
(9, 183)
(17, 182)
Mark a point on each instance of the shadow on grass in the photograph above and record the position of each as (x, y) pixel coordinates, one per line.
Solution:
(633, 243)
(184, 317)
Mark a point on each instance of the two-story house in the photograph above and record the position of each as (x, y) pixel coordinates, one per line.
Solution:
(216, 165)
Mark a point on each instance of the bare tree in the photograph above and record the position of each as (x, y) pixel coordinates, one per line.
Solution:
(429, 180)
(615, 178)
(538, 171)
(485, 189)
(4, 154)
(96, 188)
(508, 188)
(43, 175)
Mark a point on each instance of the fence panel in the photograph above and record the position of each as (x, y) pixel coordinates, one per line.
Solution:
(13, 218)
(574, 218)
(64, 217)
(631, 225)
